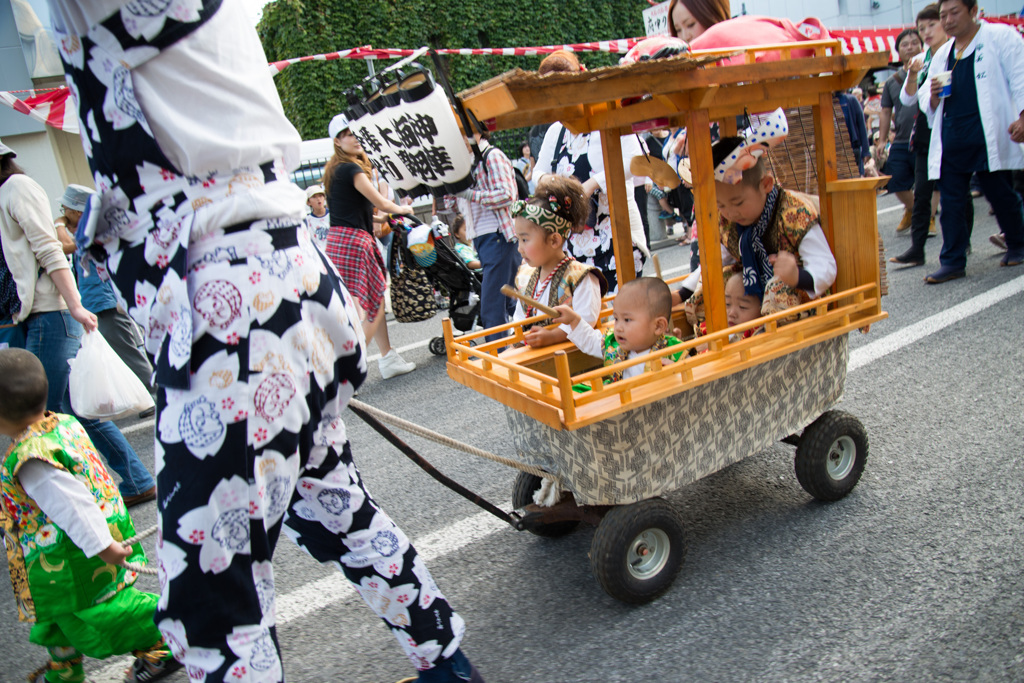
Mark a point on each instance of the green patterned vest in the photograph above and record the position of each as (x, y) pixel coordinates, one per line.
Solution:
(49, 573)
(793, 217)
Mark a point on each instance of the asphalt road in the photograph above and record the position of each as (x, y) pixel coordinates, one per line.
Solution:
(915, 576)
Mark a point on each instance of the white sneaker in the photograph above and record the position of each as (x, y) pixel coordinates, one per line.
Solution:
(393, 365)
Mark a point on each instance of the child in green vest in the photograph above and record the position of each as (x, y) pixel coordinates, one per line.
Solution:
(64, 522)
(643, 313)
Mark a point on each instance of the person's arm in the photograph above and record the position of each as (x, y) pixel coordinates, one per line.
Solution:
(67, 502)
(67, 242)
(884, 122)
(366, 188)
(1013, 67)
(29, 211)
(547, 151)
(908, 93)
(818, 263)
(587, 339)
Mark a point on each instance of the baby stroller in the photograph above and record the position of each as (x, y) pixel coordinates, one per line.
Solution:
(447, 272)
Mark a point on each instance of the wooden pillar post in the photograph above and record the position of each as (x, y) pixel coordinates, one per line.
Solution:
(615, 182)
(825, 151)
(705, 207)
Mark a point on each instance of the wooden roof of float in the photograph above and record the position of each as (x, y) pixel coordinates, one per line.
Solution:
(590, 100)
(692, 91)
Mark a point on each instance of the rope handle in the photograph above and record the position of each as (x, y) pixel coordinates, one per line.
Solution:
(128, 543)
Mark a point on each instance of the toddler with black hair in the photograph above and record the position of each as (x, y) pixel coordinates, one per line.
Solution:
(64, 523)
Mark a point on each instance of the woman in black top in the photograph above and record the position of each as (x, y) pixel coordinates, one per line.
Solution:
(351, 243)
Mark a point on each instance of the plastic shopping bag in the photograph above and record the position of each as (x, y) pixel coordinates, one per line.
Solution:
(102, 387)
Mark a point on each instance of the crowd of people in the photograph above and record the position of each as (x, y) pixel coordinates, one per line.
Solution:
(245, 304)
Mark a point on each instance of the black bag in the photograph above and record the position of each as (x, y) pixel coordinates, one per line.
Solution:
(412, 295)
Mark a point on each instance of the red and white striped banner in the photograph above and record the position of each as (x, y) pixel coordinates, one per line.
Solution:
(366, 52)
(48, 107)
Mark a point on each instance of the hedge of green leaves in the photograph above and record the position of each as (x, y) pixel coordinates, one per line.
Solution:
(312, 91)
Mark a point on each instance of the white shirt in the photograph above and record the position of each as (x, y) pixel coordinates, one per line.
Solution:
(68, 503)
(814, 252)
(589, 145)
(999, 79)
(212, 106)
(586, 301)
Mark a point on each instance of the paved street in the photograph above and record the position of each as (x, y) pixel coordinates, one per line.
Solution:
(916, 576)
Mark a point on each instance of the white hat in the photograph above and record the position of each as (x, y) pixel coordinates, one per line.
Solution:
(75, 197)
(314, 190)
(5, 150)
(338, 124)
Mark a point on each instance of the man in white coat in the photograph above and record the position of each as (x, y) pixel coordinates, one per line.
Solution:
(977, 126)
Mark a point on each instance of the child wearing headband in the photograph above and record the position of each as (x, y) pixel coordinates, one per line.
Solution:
(548, 274)
(772, 235)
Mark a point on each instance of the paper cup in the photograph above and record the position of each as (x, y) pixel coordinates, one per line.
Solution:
(945, 78)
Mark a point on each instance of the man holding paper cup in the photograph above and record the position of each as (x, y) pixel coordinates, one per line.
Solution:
(975, 105)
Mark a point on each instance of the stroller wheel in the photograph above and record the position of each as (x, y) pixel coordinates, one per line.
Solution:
(437, 346)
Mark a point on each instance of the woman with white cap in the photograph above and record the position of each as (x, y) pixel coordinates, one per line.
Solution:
(43, 311)
(351, 198)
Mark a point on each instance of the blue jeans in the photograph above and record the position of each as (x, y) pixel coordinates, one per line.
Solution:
(500, 260)
(54, 338)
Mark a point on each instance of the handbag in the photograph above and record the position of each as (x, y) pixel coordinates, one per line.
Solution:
(101, 386)
(412, 295)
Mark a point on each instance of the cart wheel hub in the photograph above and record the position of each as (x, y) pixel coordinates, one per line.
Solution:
(841, 457)
(648, 554)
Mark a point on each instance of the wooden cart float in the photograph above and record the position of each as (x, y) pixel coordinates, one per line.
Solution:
(618, 446)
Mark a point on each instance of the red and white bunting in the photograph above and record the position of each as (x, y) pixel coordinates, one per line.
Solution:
(366, 52)
(49, 107)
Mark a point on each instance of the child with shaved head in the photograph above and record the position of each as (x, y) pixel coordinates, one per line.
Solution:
(643, 311)
(64, 521)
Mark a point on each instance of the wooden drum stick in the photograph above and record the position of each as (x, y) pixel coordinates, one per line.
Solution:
(510, 291)
(657, 266)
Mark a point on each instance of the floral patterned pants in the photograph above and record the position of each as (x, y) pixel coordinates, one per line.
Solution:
(256, 444)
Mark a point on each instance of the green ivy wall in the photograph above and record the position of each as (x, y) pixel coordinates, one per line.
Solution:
(312, 91)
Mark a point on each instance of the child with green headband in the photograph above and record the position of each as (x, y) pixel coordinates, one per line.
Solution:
(548, 274)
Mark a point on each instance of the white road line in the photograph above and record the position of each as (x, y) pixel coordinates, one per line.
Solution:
(890, 209)
(932, 324)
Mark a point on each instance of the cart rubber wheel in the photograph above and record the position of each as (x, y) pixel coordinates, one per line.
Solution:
(522, 495)
(637, 550)
(831, 455)
(436, 346)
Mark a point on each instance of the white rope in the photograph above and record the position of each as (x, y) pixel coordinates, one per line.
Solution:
(452, 443)
(139, 568)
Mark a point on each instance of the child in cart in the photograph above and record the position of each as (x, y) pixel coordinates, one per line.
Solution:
(643, 313)
(543, 223)
(464, 246)
(740, 308)
(64, 521)
(772, 234)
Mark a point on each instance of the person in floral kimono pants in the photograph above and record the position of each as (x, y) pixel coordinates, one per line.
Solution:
(256, 344)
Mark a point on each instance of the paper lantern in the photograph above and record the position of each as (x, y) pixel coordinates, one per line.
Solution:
(435, 148)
